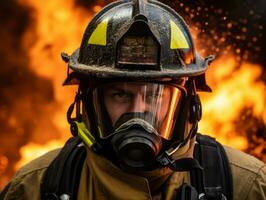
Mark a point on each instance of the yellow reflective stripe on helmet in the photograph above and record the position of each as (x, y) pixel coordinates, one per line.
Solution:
(85, 134)
(99, 35)
(178, 40)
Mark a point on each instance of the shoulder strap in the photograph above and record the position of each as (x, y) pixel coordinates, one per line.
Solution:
(217, 178)
(61, 179)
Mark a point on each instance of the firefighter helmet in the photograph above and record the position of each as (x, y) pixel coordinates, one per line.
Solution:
(134, 48)
(138, 39)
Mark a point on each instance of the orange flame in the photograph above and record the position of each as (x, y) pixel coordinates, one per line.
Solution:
(59, 25)
(236, 87)
(32, 151)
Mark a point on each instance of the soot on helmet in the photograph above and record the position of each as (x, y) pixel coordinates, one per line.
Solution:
(135, 141)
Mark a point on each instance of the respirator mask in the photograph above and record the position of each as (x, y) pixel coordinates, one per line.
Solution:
(135, 120)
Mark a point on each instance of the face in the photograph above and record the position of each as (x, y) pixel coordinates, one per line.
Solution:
(155, 103)
(120, 98)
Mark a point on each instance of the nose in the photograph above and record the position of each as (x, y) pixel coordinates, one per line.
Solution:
(138, 104)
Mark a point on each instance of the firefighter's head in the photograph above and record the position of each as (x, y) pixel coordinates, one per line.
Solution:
(138, 74)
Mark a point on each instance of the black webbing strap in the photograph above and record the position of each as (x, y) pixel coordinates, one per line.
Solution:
(228, 189)
(63, 174)
(216, 177)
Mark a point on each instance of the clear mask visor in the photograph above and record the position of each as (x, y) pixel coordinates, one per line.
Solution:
(153, 106)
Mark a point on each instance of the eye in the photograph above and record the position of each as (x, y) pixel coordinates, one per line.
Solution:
(121, 97)
(153, 97)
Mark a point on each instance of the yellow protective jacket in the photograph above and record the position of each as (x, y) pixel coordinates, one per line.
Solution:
(102, 180)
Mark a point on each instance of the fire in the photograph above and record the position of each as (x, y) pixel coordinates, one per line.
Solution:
(55, 32)
(59, 26)
(32, 151)
(235, 87)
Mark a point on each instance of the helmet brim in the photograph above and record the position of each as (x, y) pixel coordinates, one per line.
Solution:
(112, 72)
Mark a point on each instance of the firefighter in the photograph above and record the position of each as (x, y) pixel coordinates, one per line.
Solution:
(135, 117)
